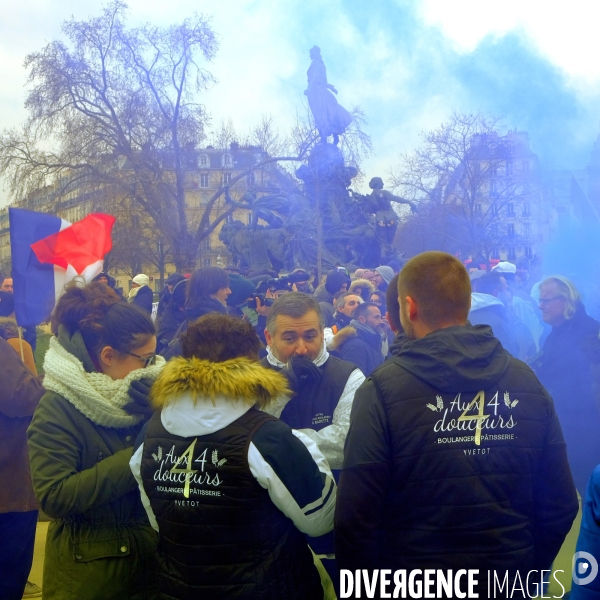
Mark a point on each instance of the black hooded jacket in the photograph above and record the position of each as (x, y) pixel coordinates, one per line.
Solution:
(360, 345)
(423, 487)
(144, 299)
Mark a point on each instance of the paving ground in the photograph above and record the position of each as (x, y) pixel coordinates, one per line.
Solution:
(38, 555)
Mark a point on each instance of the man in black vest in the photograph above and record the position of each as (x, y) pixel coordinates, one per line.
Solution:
(455, 458)
(323, 386)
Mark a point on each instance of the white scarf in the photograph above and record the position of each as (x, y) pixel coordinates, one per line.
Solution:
(99, 397)
(133, 293)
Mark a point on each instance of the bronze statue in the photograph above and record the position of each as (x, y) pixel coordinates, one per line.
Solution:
(386, 219)
(330, 117)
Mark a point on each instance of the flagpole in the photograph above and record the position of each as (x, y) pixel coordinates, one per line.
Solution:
(21, 344)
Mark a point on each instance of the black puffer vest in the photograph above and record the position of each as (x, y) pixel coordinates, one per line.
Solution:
(313, 406)
(221, 536)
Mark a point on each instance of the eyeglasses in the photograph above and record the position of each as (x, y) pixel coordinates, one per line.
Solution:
(544, 301)
(147, 360)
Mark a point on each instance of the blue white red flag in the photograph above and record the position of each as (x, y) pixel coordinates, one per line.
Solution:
(47, 252)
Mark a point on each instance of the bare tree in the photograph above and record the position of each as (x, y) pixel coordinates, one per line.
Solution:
(462, 178)
(116, 107)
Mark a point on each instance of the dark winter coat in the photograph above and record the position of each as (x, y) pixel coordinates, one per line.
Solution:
(340, 320)
(168, 324)
(422, 487)
(565, 366)
(204, 307)
(165, 295)
(360, 345)
(20, 394)
(144, 299)
(100, 544)
(323, 295)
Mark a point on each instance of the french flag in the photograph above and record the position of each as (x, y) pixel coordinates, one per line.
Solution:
(47, 252)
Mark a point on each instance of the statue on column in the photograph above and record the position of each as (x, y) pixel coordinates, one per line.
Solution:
(330, 117)
(386, 219)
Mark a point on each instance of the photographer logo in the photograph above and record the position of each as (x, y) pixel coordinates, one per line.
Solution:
(585, 568)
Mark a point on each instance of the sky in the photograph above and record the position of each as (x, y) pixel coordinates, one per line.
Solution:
(407, 63)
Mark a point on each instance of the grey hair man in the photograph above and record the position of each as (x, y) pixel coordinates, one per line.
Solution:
(345, 306)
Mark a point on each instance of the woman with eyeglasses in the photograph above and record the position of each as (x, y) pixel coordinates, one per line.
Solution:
(99, 544)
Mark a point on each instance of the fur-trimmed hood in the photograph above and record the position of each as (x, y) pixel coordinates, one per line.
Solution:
(343, 335)
(239, 379)
(357, 329)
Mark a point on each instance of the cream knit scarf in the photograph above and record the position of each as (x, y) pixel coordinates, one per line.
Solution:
(99, 397)
(133, 293)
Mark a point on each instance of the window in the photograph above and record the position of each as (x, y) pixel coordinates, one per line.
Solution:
(227, 161)
(250, 179)
(509, 167)
(511, 254)
(495, 253)
(204, 183)
(510, 229)
(510, 209)
(203, 160)
(494, 209)
(206, 262)
(205, 244)
(526, 209)
(528, 252)
(527, 227)
(226, 178)
(494, 189)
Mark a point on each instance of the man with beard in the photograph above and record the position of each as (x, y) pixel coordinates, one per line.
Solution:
(455, 457)
(323, 387)
(360, 342)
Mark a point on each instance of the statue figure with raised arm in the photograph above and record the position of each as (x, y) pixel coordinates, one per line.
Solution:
(330, 117)
(386, 219)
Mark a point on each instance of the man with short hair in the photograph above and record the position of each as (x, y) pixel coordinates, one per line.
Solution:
(455, 457)
(323, 387)
(360, 342)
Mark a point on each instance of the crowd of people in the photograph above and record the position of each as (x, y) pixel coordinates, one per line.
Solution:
(253, 434)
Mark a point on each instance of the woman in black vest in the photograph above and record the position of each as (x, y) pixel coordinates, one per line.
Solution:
(230, 489)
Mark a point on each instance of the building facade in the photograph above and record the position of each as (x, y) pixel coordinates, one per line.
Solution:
(207, 171)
